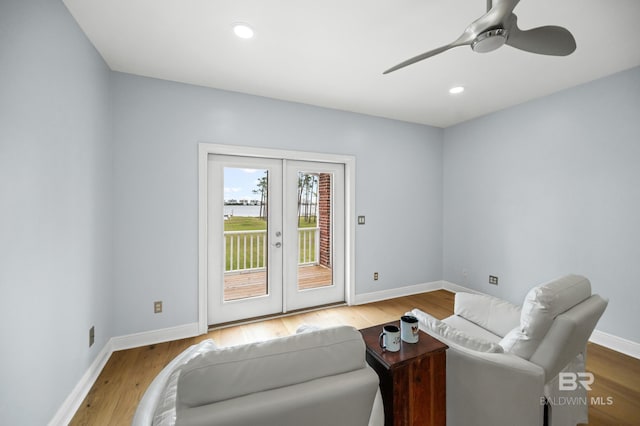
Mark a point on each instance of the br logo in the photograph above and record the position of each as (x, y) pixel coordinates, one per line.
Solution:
(569, 381)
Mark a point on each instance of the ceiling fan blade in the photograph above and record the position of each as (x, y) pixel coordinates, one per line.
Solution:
(548, 40)
(499, 15)
(499, 11)
(423, 56)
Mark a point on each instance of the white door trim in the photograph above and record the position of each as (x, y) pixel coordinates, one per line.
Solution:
(204, 149)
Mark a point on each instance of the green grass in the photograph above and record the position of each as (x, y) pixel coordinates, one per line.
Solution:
(243, 223)
(247, 223)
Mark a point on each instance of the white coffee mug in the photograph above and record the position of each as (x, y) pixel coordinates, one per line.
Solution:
(409, 328)
(390, 338)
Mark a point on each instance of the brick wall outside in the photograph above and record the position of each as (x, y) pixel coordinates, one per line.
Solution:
(324, 218)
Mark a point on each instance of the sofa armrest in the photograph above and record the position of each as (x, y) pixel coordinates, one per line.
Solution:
(493, 314)
(493, 389)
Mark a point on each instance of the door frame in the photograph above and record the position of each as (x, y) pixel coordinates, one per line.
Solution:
(204, 149)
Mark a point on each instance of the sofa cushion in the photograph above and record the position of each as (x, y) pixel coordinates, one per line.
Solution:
(496, 315)
(470, 328)
(451, 335)
(275, 363)
(541, 305)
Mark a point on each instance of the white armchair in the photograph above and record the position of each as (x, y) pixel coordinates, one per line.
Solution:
(503, 360)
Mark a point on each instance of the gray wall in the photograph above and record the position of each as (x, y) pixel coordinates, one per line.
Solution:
(548, 188)
(55, 208)
(158, 125)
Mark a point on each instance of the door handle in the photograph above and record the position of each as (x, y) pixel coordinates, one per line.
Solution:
(277, 245)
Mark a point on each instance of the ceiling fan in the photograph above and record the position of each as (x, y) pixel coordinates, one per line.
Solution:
(498, 27)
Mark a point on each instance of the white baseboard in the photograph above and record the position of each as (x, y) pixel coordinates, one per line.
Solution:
(458, 288)
(145, 338)
(70, 405)
(81, 390)
(391, 293)
(616, 343)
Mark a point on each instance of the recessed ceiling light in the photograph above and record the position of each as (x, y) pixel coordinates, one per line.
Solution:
(242, 30)
(456, 90)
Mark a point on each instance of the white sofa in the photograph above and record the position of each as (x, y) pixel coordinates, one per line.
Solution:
(314, 378)
(503, 360)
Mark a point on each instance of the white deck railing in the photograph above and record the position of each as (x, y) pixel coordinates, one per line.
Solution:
(309, 246)
(246, 250)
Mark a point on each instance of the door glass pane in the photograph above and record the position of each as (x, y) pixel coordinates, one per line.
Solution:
(315, 256)
(245, 233)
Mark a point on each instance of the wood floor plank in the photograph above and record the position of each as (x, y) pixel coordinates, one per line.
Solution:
(617, 376)
(115, 395)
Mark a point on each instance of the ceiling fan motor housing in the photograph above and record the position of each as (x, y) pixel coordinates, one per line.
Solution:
(489, 41)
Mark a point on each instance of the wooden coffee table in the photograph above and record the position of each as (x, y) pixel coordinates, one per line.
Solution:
(412, 380)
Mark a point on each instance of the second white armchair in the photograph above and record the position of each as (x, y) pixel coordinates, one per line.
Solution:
(503, 360)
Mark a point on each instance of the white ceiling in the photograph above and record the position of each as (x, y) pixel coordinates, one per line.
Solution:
(332, 53)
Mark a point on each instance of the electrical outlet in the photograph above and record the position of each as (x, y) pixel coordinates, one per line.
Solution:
(157, 307)
(375, 276)
(493, 280)
(360, 220)
(92, 335)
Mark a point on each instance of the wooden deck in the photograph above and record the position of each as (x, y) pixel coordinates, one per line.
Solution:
(252, 284)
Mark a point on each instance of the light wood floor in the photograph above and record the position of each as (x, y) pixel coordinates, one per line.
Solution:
(114, 397)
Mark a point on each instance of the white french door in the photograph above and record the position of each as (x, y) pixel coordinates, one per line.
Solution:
(276, 236)
(314, 255)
